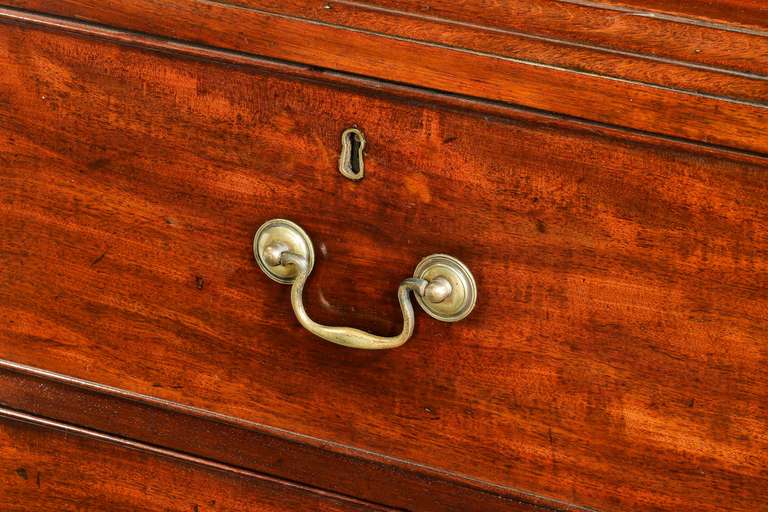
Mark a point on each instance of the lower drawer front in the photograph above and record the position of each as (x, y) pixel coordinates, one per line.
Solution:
(44, 468)
(616, 355)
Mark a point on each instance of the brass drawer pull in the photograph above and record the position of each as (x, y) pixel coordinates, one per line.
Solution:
(443, 286)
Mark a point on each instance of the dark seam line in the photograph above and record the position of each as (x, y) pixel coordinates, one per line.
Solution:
(41, 19)
(452, 478)
(480, 53)
(234, 57)
(126, 443)
(683, 20)
(564, 42)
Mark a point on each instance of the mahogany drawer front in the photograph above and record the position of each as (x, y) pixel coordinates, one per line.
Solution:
(614, 360)
(43, 468)
(680, 72)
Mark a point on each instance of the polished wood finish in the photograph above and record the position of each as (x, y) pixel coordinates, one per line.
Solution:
(692, 81)
(50, 466)
(615, 357)
(537, 34)
(256, 447)
(747, 13)
(594, 23)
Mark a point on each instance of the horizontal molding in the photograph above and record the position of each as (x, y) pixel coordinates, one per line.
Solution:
(14, 415)
(574, 56)
(735, 14)
(211, 438)
(736, 121)
(584, 34)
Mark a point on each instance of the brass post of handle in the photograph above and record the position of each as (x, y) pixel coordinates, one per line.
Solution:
(443, 285)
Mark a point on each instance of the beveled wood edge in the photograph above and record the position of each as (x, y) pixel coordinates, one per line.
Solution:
(234, 444)
(714, 78)
(686, 12)
(18, 416)
(634, 106)
(656, 16)
(379, 87)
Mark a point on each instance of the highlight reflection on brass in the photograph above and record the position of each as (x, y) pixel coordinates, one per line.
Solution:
(443, 286)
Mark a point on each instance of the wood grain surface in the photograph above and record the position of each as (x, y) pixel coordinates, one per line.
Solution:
(615, 359)
(589, 24)
(692, 81)
(675, 54)
(43, 468)
(747, 13)
(257, 447)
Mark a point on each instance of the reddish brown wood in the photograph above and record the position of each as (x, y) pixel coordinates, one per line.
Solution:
(418, 24)
(585, 23)
(465, 32)
(48, 466)
(616, 356)
(255, 447)
(748, 13)
(721, 63)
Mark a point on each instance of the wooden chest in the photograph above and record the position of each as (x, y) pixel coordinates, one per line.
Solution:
(599, 170)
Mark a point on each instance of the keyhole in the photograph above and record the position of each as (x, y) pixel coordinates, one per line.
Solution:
(351, 158)
(354, 162)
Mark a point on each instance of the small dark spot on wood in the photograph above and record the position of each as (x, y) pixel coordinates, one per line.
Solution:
(38, 479)
(170, 221)
(691, 402)
(22, 472)
(450, 139)
(196, 508)
(98, 164)
(535, 200)
(199, 282)
(540, 226)
(99, 258)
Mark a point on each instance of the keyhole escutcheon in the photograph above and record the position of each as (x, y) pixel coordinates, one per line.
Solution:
(351, 158)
